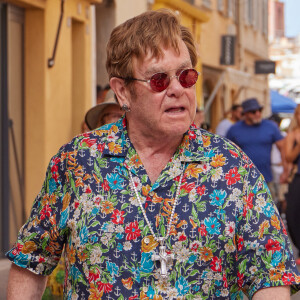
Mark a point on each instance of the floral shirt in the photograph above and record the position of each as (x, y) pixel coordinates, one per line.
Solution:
(226, 236)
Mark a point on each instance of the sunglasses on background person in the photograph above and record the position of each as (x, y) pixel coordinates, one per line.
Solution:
(160, 81)
(254, 111)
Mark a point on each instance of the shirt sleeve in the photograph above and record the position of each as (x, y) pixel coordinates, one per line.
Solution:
(264, 254)
(41, 239)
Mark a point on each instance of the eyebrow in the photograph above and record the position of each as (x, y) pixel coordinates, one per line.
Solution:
(154, 70)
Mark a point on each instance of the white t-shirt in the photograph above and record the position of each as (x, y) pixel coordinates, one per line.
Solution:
(223, 127)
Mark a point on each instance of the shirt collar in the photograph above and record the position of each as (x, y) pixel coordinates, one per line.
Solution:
(193, 148)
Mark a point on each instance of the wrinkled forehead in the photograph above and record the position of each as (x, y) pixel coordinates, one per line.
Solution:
(156, 51)
(152, 60)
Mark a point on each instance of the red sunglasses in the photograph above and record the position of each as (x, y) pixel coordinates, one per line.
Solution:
(160, 81)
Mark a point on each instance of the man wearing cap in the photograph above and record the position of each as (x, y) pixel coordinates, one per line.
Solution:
(256, 136)
(108, 111)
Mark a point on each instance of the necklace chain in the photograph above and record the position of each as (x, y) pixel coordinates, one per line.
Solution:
(156, 238)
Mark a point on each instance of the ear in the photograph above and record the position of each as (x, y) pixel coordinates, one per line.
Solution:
(121, 91)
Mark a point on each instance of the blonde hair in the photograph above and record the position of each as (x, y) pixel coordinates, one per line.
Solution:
(147, 33)
(294, 122)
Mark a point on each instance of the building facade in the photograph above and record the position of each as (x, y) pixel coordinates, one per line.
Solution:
(46, 87)
(234, 38)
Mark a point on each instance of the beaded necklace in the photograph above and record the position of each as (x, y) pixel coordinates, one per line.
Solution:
(164, 258)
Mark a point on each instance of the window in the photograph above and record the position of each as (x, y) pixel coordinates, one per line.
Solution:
(248, 9)
(265, 17)
(229, 8)
(206, 3)
(234, 9)
(250, 12)
(220, 5)
(190, 1)
(255, 12)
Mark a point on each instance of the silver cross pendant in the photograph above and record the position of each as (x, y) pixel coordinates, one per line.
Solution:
(165, 260)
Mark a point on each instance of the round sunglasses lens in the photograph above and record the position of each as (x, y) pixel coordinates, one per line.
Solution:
(188, 78)
(159, 82)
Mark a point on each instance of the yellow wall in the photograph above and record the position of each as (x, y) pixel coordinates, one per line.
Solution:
(56, 98)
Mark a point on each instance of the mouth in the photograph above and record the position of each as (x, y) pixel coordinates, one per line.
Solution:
(175, 109)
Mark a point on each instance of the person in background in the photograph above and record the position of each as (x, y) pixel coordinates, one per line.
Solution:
(101, 93)
(277, 166)
(292, 155)
(152, 207)
(225, 124)
(199, 117)
(106, 112)
(84, 127)
(256, 137)
(199, 120)
(100, 96)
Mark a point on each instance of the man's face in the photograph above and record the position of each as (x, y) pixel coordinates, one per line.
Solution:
(110, 114)
(253, 117)
(237, 114)
(166, 113)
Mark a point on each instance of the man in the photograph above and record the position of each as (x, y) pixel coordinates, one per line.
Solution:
(225, 124)
(108, 111)
(151, 207)
(256, 136)
(101, 92)
(199, 120)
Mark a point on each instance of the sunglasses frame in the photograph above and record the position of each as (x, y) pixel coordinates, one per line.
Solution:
(168, 77)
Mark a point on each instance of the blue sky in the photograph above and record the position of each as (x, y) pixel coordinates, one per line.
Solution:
(292, 17)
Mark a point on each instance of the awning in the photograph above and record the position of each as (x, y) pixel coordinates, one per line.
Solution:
(281, 103)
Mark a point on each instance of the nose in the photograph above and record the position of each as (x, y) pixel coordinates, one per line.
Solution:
(175, 88)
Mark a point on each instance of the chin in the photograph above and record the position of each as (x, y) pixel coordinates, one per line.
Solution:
(178, 129)
(256, 122)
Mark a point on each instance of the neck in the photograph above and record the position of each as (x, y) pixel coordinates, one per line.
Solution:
(161, 145)
(154, 152)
